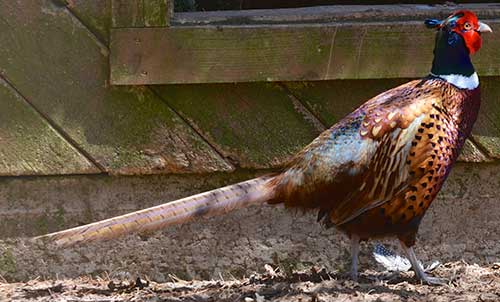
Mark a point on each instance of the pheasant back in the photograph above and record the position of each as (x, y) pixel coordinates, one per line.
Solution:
(376, 172)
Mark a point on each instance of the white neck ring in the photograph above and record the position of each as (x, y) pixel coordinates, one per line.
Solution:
(463, 82)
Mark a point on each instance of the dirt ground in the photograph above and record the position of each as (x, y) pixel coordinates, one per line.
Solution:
(467, 282)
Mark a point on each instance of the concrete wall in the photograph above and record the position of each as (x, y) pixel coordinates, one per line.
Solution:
(461, 224)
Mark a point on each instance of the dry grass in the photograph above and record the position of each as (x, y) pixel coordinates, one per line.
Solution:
(467, 283)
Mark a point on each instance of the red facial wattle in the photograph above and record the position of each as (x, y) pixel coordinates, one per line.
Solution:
(472, 40)
(467, 26)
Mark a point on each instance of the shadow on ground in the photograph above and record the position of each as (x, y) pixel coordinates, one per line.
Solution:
(466, 283)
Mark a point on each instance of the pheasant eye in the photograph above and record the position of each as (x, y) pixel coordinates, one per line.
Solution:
(467, 26)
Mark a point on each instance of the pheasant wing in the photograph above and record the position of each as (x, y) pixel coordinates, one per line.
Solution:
(361, 162)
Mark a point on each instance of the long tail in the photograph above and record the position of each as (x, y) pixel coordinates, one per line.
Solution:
(215, 202)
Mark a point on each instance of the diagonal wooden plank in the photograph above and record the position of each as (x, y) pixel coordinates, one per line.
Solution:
(487, 129)
(213, 54)
(62, 69)
(472, 154)
(96, 15)
(330, 101)
(29, 145)
(255, 125)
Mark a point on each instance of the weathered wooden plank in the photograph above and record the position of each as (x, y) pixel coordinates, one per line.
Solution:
(199, 54)
(472, 154)
(487, 129)
(330, 101)
(95, 14)
(62, 69)
(255, 125)
(29, 145)
(91, 13)
(332, 13)
(490, 143)
(141, 13)
(127, 13)
(158, 12)
(182, 55)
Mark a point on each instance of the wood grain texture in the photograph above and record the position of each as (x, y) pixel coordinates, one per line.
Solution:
(351, 93)
(95, 14)
(332, 13)
(487, 129)
(158, 12)
(254, 125)
(141, 13)
(63, 70)
(330, 101)
(472, 154)
(30, 146)
(210, 54)
(127, 13)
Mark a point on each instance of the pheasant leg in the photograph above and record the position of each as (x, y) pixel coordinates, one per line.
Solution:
(418, 269)
(354, 257)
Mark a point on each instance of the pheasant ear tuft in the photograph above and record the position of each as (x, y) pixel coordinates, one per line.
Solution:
(432, 23)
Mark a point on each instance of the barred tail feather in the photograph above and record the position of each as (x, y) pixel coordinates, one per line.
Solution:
(211, 203)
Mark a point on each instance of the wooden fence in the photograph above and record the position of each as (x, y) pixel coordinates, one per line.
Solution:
(77, 93)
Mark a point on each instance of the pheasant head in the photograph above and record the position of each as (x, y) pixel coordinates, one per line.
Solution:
(458, 36)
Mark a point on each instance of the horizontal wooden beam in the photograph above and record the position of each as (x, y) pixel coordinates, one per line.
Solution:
(332, 13)
(210, 54)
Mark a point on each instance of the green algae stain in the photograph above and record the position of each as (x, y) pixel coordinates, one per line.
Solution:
(42, 224)
(7, 262)
(59, 217)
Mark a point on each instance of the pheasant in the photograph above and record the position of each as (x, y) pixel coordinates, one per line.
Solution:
(373, 174)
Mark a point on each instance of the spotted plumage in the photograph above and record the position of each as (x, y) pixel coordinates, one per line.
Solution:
(401, 146)
(373, 174)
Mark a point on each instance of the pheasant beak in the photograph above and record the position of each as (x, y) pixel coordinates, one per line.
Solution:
(484, 28)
